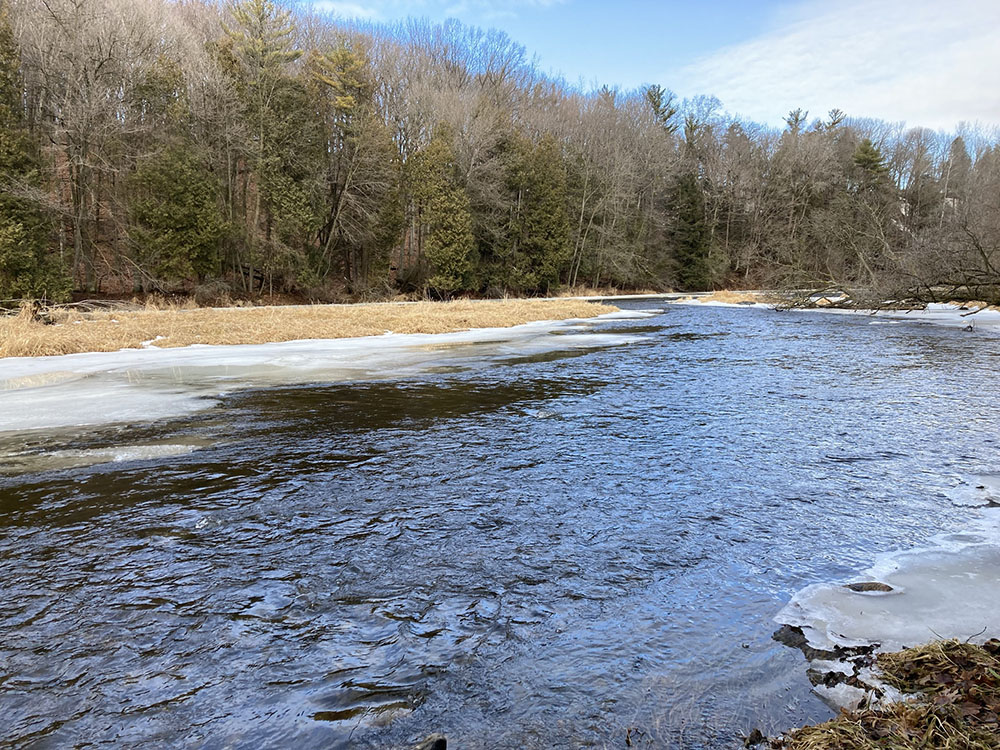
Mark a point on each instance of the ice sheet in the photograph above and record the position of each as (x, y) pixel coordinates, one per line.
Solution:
(948, 590)
(952, 316)
(942, 314)
(630, 314)
(716, 303)
(982, 490)
(142, 385)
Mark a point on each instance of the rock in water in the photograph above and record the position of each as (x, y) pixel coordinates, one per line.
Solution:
(868, 586)
(435, 741)
(756, 737)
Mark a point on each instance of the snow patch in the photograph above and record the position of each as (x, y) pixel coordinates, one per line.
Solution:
(151, 343)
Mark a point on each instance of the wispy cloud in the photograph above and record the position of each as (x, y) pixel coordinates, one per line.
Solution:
(928, 62)
(472, 11)
(347, 9)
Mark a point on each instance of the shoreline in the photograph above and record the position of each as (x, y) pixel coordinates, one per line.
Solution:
(899, 649)
(942, 694)
(69, 331)
(964, 315)
(143, 384)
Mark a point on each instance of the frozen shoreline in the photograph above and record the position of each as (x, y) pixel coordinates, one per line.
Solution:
(941, 314)
(143, 385)
(947, 589)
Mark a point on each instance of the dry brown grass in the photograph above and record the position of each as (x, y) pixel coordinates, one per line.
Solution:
(73, 331)
(734, 297)
(609, 291)
(959, 685)
(977, 305)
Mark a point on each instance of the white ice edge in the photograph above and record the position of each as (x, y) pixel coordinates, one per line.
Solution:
(695, 302)
(142, 385)
(942, 314)
(949, 589)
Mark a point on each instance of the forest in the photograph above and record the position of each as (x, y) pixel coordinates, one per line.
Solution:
(243, 149)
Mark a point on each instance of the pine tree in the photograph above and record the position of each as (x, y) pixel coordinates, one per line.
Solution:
(689, 234)
(177, 225)
(26, 268)
(957, 168)
(261, 46)
(870, 162)
(539, 236)
(661, 101)
(361, 214)
(450, 245)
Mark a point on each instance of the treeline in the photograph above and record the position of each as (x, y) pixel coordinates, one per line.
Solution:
(158, 145)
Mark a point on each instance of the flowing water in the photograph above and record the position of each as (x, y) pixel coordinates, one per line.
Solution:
(565, 549)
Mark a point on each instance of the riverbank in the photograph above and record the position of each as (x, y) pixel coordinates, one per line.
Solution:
(945, 694)
(150, 383)
(71, 330)
(858, 636)
(967, 315)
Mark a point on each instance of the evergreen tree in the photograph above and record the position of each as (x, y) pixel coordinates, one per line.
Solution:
(870, 163)
(361, 218)
(449, 246)
(177, 225)
(661, 101)
(260, 42)
(958, 168)
(27, 270)
(539, 236)
(689, 235)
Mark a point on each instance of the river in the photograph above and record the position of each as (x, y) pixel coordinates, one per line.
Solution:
(562, 549)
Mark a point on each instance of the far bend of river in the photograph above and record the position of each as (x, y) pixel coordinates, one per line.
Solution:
(555, 552)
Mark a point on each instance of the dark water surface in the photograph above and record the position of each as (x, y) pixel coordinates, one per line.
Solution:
(557, 551)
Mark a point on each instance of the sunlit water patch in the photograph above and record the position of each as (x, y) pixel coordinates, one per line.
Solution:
(560, 546)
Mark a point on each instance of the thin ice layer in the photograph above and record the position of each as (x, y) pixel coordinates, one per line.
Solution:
(951, 590)
(25, 461)
(982, 490)
(143, 385)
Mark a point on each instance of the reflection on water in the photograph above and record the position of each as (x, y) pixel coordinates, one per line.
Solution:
(553, 551)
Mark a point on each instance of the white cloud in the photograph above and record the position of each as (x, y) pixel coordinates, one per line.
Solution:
(928, 62)
(346, 9)
(472, 11)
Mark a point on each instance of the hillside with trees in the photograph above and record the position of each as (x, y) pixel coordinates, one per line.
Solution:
(246, 149)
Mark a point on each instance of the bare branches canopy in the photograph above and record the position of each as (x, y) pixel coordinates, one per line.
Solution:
(240, 146)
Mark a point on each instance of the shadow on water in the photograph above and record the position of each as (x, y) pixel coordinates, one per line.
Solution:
(237, 443)
(374, 406)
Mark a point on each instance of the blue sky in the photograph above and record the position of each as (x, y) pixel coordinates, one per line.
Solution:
(927, 62)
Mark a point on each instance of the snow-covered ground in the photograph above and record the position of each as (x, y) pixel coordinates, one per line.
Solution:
(143, 385)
